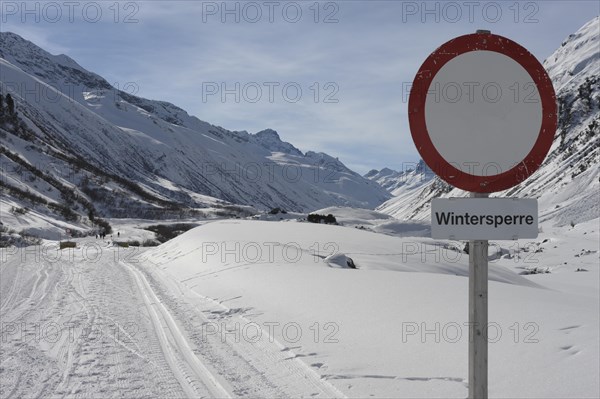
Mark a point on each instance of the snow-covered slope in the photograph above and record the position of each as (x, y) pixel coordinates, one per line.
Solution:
(384, 315)
(567, 184)
(156, 148)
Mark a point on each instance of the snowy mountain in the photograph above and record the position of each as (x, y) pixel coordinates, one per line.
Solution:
(72, 140)
(412, 189)
(567, 184)
(395, 182)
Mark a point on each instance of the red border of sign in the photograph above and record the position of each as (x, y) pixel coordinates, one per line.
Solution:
(418, 126)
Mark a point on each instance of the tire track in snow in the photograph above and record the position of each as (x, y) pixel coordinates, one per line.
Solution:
(255, 368)
(166, 357)
(289, 366)
(99, 357)
(175, 344)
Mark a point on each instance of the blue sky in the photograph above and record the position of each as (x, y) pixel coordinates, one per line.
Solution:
(328, 76)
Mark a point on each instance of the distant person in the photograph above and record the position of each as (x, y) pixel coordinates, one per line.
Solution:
(118, 234)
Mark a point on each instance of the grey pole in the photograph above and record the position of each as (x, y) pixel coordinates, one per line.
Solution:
(478, 310)
(478, 316)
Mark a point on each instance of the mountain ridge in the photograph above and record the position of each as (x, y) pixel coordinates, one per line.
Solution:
(134, 155)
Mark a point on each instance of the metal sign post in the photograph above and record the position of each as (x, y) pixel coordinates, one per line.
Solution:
(478, 316)
(482, 142)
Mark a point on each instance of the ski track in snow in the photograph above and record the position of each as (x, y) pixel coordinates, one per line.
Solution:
(109, 326)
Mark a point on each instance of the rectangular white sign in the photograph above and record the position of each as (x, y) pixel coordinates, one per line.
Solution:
(484, 218)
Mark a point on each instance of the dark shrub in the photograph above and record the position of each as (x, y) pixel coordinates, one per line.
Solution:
(165, 232)
(316, 218)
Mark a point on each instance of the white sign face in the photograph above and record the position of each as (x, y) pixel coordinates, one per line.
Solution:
(484, 218)
(483, 112)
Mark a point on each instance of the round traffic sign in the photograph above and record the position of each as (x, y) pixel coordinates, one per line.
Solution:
(482, 112)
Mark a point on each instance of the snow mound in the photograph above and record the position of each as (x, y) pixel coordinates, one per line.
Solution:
(222, 246)
(340, 261)
(402, 282)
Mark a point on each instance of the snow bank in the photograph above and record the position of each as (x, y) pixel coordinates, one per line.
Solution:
(395, 327)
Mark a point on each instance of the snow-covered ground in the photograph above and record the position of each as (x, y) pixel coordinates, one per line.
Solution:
(262, 309)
